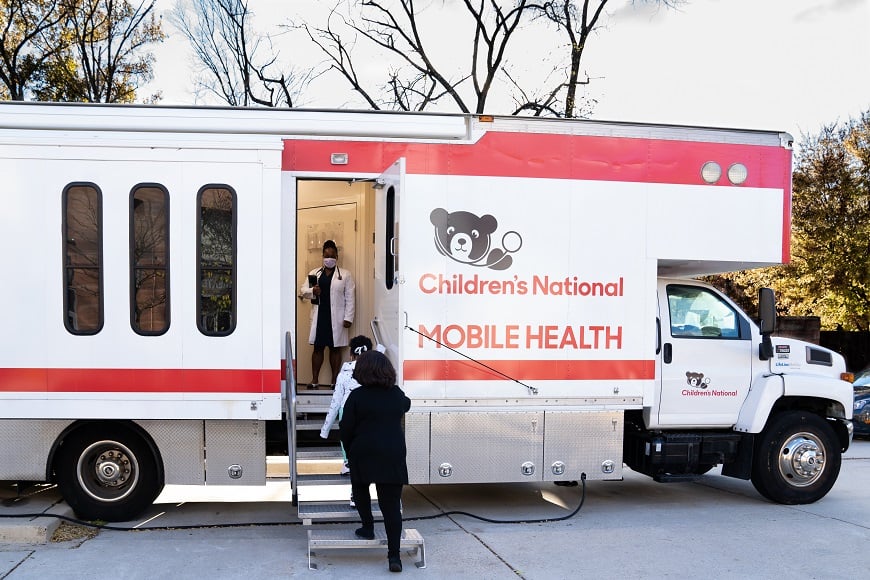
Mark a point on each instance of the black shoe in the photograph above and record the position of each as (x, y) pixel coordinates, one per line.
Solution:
(365, 533)
(395, 564)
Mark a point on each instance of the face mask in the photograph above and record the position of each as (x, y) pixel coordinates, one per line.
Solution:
(329, 263)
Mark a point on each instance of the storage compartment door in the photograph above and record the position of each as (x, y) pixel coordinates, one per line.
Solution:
(470, 447)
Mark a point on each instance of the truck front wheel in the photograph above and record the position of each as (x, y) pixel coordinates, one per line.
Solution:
(107, 472)
(797, 459)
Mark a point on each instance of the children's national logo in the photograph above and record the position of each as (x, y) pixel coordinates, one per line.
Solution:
(467, 238)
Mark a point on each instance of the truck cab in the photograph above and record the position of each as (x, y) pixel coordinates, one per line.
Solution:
(729, 392)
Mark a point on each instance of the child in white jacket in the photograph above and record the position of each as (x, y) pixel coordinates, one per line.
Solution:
(344, 384)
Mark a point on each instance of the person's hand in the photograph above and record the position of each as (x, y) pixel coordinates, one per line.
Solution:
(315, 290)
(347, 323)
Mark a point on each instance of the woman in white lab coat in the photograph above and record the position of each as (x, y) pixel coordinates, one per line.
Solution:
(332, 294)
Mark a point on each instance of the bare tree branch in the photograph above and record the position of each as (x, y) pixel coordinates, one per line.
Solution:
(108, 39)
(578, 20)
(338, 55)
(228, 52)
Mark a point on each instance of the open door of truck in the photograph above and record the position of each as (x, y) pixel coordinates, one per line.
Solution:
(388, 317)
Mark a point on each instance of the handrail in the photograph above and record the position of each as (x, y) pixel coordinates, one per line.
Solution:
(290, 410)
(375, 332)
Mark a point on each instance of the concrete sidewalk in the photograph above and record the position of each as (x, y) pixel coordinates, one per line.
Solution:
(715, 527)
(28, 513)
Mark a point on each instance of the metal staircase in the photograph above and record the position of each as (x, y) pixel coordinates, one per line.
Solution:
(314, 467)
(320, 493)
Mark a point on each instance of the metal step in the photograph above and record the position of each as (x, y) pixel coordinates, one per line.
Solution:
(331, 452)
(313, 402)
(305, 389)
(323, 479)
(311, 424)
(313, 408)
(309, 511)
(332, 539)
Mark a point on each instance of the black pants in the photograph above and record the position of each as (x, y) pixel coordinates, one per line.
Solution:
(390, 500)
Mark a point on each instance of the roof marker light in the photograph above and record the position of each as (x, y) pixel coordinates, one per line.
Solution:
(711, 172)
(737, 174)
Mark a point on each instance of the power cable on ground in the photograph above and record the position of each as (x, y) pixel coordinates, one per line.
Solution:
(250, 524)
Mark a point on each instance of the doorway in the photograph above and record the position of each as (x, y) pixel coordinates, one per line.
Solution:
(338, 211)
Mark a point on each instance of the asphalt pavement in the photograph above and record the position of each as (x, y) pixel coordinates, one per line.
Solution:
(714, 527)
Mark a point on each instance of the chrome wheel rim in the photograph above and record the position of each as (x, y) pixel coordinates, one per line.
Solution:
(107, 471)
(802, 459)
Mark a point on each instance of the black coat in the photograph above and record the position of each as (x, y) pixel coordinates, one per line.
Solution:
(372, 435)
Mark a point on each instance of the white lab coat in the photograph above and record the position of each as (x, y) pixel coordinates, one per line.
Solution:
(344, 384)
(342, 304)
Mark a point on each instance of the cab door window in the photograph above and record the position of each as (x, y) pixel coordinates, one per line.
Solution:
(698, 312)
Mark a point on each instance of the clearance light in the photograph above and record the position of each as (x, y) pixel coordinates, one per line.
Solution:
(848, 377)
(711, 172)
(737, 174)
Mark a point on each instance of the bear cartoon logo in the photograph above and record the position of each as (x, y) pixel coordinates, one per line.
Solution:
(467, 238)
(697, 380)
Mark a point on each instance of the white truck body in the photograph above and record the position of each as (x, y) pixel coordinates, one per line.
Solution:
(530, 279)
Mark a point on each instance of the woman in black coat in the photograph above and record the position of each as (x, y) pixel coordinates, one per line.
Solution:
(372, 434)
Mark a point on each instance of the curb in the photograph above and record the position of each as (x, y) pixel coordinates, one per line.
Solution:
(37, 530)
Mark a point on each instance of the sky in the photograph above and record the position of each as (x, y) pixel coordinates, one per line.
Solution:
(786, 65)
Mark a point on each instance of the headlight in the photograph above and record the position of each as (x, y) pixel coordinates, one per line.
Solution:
(860, 404)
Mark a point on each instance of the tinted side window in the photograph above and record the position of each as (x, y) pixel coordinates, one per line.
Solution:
(149, 259)
(216, 260)
(697, 312)
(392, 259)
(82, 258)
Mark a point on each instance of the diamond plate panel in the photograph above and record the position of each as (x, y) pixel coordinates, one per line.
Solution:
(417, 441)
(27, 457)
(582, 441)
(180, 444)
(487, 447)
(238, 447)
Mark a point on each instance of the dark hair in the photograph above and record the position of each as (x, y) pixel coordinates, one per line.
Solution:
(373, 369)
(329, 244)
(359, 344)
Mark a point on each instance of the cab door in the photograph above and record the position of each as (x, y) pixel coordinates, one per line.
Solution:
(387, 322)
(705, 359)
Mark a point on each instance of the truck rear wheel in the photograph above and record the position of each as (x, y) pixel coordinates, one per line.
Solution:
(107, 472)
(797, 459)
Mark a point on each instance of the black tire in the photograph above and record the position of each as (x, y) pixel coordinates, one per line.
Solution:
(107, 472)
(797, 459)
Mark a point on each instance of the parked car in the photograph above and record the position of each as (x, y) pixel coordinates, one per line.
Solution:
(861, 409)
(862, 379)
(861, 412)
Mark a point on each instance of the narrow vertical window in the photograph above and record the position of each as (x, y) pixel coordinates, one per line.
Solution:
(82, 258)
(390, 239)
(216, 259)
(149, 259)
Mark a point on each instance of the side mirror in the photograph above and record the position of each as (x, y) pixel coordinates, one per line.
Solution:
(766, 322)
(766, 311)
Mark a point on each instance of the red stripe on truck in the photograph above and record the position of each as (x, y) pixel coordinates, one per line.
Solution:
(550, 156)
(140, 381)
(528, 370)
